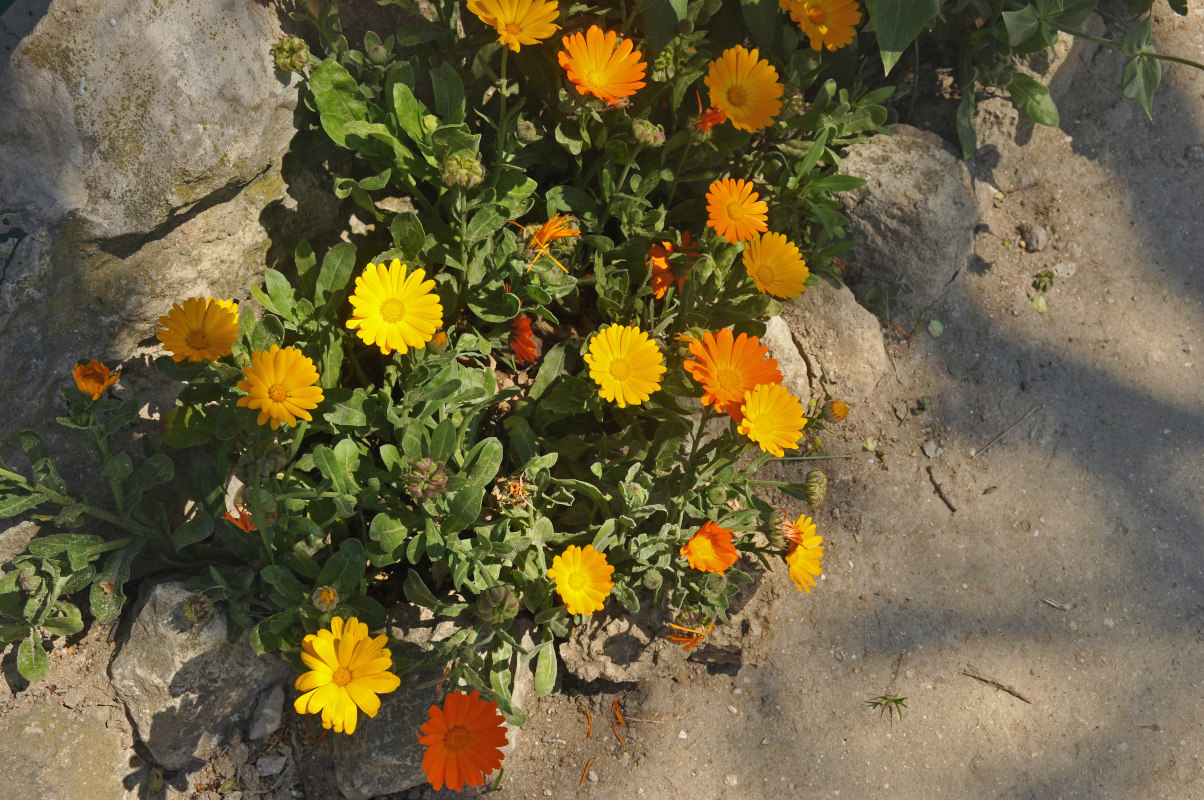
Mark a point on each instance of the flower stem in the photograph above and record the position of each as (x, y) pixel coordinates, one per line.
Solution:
(501, 122)
(1119, 46)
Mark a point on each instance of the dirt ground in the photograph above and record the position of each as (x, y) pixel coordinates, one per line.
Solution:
(1071, 445)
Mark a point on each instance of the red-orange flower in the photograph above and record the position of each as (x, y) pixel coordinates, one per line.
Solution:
(666, 274)
(522, 340)
(463, 741)
(243, 521)
(728, 366)
(708, 119)
(93, 378)
(693, 640)
(555, 228)
(711, 549)
(597, 66)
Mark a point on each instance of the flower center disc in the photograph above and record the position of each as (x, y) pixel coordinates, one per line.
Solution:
(457, 738)
(620, 370)
(341, 676)
(577, 580)
(767, 275)
(729, 381)
(816, 15)
(737, 96)
(513, 29)
(197, 340)
(278, 393)
(392, 310)
(735, 211)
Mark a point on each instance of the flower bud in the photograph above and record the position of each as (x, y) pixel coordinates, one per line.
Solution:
(426, 479)
(290, 53)
(497, 604)
(526, 131)
(325, 599)
(793, 104)
(816, 488)
(462, 171)
(29, 579)
(653, 580)
(377, 53)
(197, 609)
(648, 133)
(834, 411)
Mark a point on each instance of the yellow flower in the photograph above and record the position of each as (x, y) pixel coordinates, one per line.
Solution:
(518, 22)
(627, 366)
(803, 558)
(745, 88)
(596, 66)
(728, 366)
(203, 329)
(773, 418)
(710, 549)
(582, 578)
(347, 669)
(394, 311)
(797, 532)
(775, 265)
(93, 378)
(734, 210)
(827, 23)
(280, 383)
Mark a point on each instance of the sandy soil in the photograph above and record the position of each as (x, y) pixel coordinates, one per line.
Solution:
(1071, 571)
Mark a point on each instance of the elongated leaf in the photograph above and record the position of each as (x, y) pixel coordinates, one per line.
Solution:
(13, 505)
(1141, 78)
(32, 661)
(449, 93)
(409, 112)
(465, 508)
(1069, 13)
(545, 671)
(344, 569)
(338, 98)
(389, 531)
(66, 625)
(897, 24)
(486, 222)
(482, 462)
(193, 530)
(967, 136)
(155, 471)
(660, 21)
(417, 593)
(1032, 99)
(335, 273)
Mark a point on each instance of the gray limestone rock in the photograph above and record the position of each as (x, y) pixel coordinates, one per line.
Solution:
(269, 714)
(840, 340)
(913, 222)
(184, 685)
(783, 349)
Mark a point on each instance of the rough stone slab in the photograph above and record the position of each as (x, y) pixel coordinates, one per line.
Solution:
(186, 687)
(841, 341)
(782, 348)
(624, 649)
(913, 222)
(15, 538)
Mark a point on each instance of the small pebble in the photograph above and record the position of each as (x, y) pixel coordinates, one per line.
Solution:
(733, 709)
(730, 780)
(112, 22)
(593, 776)
(547, 792)
(737, 691)
(270, 765)
(683, 735)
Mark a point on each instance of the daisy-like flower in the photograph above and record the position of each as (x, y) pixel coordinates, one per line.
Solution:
(666, 274)
(393, 310)
(728, 366)
(93, 378)
(827, 23)
(463, 741)
(347, 670)
(711, 549)
(627, 365)
(806, 549)
(582, 578)
(773, 418)
(596, 66)
(775, 265)
(735, 210)
(518, 22)
(522, 340)
(280, 383)
(835, 411)
(555, 228)
(203, 329)
(745, 88)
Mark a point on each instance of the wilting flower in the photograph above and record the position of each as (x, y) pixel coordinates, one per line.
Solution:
(596, 66)
(393, 310)
(773, 418)
(728, 366)
(522, 340)
(734, 210)
(463, 741)
(555, 228)
(827, 23)
(243, 521)
(203, 329)
(707, 119)
(280, 383)
(775, 265)
(325, 599)
(93, 378)
(582, 578)
(647, 133)
(627, 365)
(710, 549)
(665, 273)
(290, 53)
(696, 635)
(347, 669)
(806, 549)
(462, 171)
(518, 22)
(426, 478)
(797, 532)
(745, 88)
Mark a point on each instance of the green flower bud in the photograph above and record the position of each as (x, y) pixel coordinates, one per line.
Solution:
(816, 488)
(29, 579)
(526, 131)
(426, 479)
(648, 133)
(462, 171)
(325, 598)
(377, 53)
(653, 580)
(497, 604)
(290, 53)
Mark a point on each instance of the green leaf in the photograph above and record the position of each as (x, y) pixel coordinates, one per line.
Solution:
(408, 235)
(967, 136)
(1021, 25)
(338, 465)
(282, 579)
(1179, 7)
(545, 671)
(68, 624)
(389, 531)
(627, 597)
(443, 440)
(124, 415)
(464, 509)
(660, 21)
(118, 468)
(551, 368)
(1139, 37)
(417, 593)
(280, 294)
(482, 462)
(14, 505)
(108, 588)
(449, 93)
(344, 569)
(193, 530)
(763, 20)
(155, 471)
(337, 97)
(1069, 13)
(409, 112)
(1032, 99)
(335, 274)
(897, 23)
(32, 661)
(484, 224)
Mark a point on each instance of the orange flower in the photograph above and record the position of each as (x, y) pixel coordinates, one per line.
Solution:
(664, 274)
(522, 341)
(693, 640)
(555, 228)
(463, 741)
(243, 521)
(745, 87)
(735, 211)
(728, 366)
(708, 119)
(711, 549)
(93, 378)
(596, 66)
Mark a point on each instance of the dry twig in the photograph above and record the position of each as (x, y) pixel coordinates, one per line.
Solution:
(1005, 433)
(940, 492)
(972, 671)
